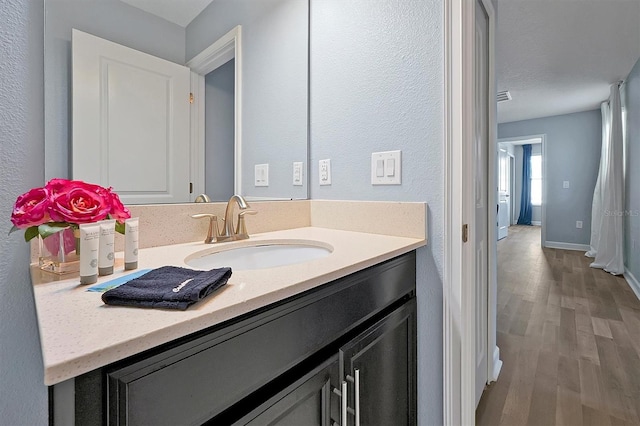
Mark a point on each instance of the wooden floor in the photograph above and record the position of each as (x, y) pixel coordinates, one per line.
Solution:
(569, 339)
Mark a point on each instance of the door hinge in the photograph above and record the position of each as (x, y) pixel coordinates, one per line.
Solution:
(190, 98)
(465, 233)
(190, 187)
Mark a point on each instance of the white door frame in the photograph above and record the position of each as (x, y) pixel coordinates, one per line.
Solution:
(458, 283)
(512, 188)
(227, 47)
(543, 208)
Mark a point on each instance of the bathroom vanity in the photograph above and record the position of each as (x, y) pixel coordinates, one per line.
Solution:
(346, 348)
(329, 341)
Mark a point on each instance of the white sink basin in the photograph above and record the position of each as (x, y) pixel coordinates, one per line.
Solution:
(259, 254)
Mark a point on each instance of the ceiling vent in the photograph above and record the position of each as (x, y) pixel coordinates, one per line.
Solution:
(503, 96)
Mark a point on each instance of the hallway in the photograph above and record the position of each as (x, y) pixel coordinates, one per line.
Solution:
(569, 339)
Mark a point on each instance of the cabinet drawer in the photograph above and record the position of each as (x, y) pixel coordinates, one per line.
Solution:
(197, 379)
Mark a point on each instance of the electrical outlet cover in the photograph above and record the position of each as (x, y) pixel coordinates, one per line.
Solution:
(297, 173)
(261, 175)
(324, 167)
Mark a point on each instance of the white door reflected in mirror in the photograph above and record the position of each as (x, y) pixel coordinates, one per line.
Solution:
(130, 121)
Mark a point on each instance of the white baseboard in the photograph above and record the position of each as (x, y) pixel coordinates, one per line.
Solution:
(633, 282)
(496, 365)
(536, 223)
(567, 246)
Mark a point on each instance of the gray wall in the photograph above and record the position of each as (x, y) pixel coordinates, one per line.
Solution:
(274, 76)
(23, 396)
(573, 144)
(219, 132)
(111, 20)
(632, 180)
(377, 85)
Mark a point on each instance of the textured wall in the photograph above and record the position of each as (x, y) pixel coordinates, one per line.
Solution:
(632, 180)
(274, 84)
(23, 396)
(377, 85)
(112, 20)
(572, 153)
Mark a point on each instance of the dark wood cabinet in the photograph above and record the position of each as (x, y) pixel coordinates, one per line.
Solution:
(307, 402)
(285, 364)
(379, 367)
(378, 370)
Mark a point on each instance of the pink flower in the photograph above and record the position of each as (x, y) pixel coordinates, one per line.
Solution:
(31, 208)
(75, 201)
(57, 184)
(118, 211)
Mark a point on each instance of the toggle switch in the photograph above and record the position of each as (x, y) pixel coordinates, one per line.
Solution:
(386, 168)
(380, 168)
(390, 166)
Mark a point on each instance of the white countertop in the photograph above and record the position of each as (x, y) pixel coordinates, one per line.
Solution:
(79, 333)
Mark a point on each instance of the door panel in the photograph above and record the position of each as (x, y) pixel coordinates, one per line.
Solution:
(385, 357)
(130, 121)
(307, 402)
(480, 164)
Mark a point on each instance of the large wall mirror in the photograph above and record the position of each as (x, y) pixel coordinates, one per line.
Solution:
(217, 104)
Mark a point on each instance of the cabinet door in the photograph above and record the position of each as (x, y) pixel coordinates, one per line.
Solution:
(306, 402)
(380, 367)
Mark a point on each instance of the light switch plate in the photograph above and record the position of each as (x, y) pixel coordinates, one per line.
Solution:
(579, 224)
(565, 184)
(325, 172)
(261, 175)
(297, 173)
(386, 168)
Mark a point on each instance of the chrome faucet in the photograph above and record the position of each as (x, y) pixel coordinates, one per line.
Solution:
(229, 232)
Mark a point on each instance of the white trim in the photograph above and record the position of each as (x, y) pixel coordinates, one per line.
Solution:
(197, 141)
(567, 246)
(496, 365)
(227, 47)
(633, 282)
(458, 286)
(536, 222)
(452, 267)
(493, 368)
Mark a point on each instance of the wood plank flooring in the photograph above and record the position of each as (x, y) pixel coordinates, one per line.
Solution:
(569, 339)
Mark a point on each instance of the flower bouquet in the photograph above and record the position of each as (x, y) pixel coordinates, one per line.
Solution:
(54, 212)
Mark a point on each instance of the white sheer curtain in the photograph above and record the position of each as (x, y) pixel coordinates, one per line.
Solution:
(607, 238)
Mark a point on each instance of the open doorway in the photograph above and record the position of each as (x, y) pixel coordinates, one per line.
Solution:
(513, 185)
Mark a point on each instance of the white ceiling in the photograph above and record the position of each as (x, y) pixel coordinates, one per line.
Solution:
(179, 12)
(560, 56)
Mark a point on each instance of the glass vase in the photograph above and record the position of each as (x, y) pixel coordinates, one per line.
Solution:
(59, 252)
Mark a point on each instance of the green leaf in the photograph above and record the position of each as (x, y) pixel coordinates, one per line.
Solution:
(120, 227)
(13, 229)
(30, 233)
(51, 228)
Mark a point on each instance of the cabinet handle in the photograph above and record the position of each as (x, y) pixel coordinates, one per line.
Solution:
(357, 391)
(356, 385)
(343, 407)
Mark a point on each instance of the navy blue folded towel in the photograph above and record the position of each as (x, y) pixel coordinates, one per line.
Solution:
(168, 287)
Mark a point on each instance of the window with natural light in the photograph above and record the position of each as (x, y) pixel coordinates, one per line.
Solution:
(536, 180)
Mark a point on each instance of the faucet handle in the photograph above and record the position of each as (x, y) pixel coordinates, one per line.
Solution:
(241, 228)
(212, 232)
